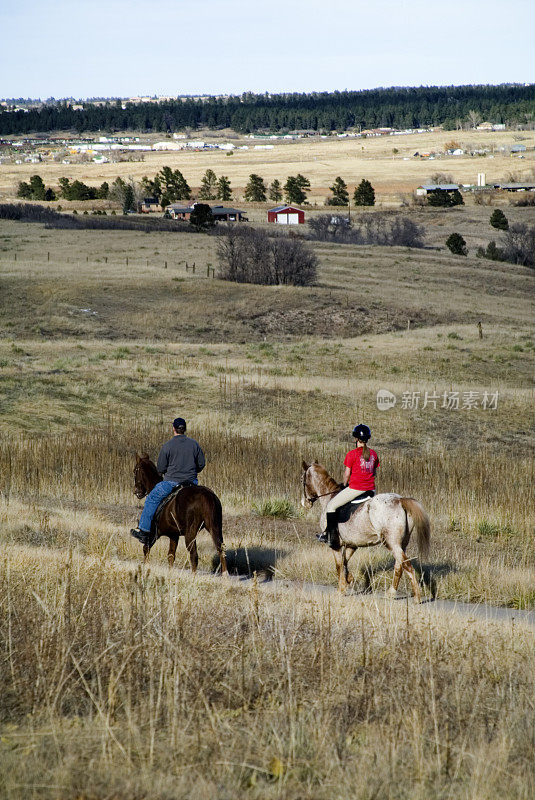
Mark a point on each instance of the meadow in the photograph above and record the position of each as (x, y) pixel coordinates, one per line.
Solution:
(124, 680)
(393, 174)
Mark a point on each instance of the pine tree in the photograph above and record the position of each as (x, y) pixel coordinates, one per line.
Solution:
(24, 190)
(340, 194)
(37, 187)
(275, 191)
(364, 194)
(224, 192)
(456, 244)
(201, 217)
(128, 199)
(208, 185)
(295, 189)
(255, 191)
(498, 220)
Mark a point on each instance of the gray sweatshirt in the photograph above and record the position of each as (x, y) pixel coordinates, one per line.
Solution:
(180, 459)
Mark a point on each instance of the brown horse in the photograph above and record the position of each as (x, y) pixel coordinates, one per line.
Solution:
(387, 519)
(194, 508)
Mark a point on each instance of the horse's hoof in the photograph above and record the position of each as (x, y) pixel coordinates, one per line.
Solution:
(391, 593)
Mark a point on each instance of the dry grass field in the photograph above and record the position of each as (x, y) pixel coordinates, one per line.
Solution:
(124, 681)
(321, 160)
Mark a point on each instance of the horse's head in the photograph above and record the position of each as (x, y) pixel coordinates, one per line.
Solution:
(309, 494)
(145, 475)
(316, 483)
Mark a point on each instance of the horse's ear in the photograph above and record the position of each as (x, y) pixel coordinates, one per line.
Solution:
(304, 465)
(315, 461)
(144, 457)
(138, 459)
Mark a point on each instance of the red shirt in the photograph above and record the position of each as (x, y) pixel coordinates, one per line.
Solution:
(362, 472)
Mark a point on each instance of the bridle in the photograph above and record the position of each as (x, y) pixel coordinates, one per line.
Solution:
(136, 490)
(312, 500)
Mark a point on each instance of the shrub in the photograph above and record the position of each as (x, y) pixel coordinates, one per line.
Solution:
(381, 228)
(498, 220)
(26, 212)
(443, 199)
(281, 508)
(456, 244)
(492, 252)
(247, 255)
(525, 199)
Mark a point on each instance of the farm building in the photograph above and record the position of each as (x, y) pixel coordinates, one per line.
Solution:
(219, 213)
(516, 187)
(178, 211)
(223, 214)
(150, 204)
(429, 188)
(286, 215)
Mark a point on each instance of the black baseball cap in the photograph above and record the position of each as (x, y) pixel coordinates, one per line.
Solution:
(179, 422)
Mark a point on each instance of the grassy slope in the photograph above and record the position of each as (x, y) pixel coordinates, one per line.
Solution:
(122, 682)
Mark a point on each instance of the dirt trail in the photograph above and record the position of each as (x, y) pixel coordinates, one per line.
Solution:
(448, 608)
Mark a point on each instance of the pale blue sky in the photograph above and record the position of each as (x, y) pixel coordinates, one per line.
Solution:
(128, 47)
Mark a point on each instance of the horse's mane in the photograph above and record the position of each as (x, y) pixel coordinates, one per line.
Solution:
(329, 481)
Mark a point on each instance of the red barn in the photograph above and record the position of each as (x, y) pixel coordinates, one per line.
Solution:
(286, 215)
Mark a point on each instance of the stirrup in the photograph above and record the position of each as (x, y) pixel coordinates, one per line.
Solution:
(141, 536)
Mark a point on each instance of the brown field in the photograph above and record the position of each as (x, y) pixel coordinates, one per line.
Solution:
(123, 681)
(320, 160)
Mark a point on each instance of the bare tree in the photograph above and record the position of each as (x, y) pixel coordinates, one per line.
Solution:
(248, 255)
(474, 118)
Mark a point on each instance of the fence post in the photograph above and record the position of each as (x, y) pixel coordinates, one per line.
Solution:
(165, 265)
(193, 268)
(126, 260)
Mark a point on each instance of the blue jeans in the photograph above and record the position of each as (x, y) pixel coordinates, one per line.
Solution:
(153, 500)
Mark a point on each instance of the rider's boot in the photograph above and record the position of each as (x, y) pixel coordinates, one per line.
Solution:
(331, 536)
(141, 536)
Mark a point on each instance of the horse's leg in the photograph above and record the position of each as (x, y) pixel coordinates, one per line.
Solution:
(349, 552)
(172, 551)
(341, 569)
(407, 566)
(399, 555)
(146, 551)
(191, 546)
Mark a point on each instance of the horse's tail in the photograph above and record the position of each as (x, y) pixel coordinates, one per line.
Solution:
(213, 517)
(420, 523)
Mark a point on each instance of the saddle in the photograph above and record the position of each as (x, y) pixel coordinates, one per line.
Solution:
(154, 529)
(345, 512)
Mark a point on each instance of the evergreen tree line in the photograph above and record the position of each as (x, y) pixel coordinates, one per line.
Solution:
(320, 111)
(170, 186)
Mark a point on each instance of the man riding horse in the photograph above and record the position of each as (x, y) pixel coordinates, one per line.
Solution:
(179, 462)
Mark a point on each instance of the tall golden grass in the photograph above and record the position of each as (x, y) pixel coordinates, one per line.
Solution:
(118, 683)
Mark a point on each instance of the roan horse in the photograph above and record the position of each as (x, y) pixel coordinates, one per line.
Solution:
(194, 508)
(387, 519)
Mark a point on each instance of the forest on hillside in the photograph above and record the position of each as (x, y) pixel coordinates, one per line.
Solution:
(450, 106)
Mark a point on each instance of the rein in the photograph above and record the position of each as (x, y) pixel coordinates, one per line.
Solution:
(313, 499)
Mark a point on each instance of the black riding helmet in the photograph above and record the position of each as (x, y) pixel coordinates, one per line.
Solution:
(361, 432)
